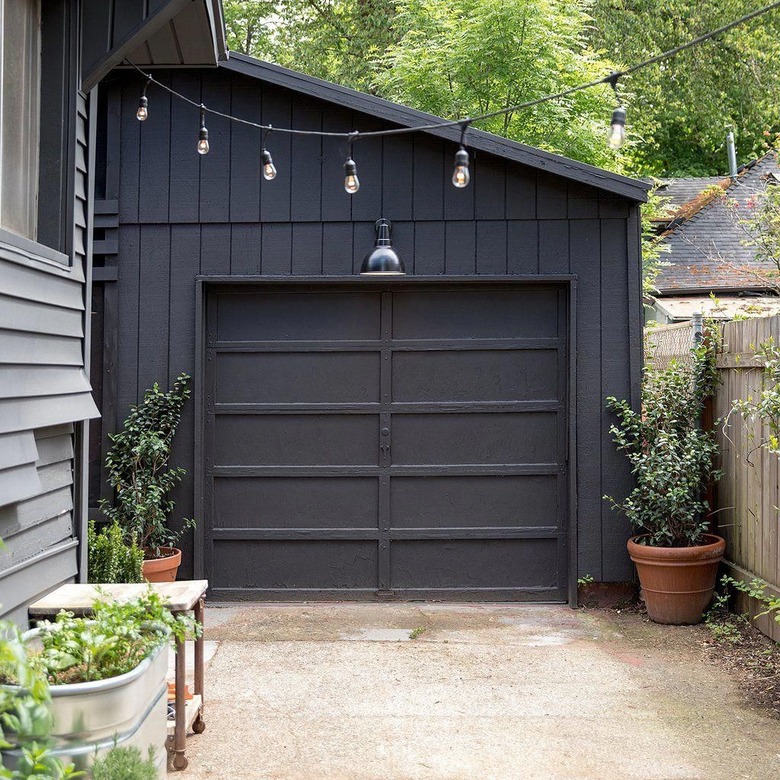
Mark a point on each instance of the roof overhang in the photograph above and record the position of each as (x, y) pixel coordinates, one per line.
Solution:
(165, 34)
(632, 189)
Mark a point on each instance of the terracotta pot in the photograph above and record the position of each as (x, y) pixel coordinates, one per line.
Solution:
(677, 582)
(164, 568)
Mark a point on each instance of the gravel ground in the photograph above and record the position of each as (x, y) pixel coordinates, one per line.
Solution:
(389, 692)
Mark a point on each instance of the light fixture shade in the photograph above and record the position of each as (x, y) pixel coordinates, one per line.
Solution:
(383, 260)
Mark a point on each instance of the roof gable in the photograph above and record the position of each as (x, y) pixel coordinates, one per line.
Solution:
(632, 189)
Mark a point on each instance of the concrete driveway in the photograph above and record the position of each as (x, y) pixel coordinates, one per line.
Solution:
(321, 692)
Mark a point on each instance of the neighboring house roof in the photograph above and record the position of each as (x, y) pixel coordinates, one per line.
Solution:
(707, 246)
(677, 192)
(633, 189)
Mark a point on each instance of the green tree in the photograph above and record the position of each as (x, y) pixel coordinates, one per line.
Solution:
(453, 58)
(457, 58)
(679, 109)
(337, 40)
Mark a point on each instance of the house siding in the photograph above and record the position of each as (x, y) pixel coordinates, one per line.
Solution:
(44, 397)
(182, 215)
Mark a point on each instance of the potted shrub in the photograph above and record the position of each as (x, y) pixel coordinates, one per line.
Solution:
(139, 471)
(106, 677)
(673, 460)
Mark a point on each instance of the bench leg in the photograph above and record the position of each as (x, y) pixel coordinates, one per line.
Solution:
(180, 730)
(199, 724)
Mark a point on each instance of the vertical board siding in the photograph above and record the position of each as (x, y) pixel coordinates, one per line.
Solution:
(225, 219)
(615, 381)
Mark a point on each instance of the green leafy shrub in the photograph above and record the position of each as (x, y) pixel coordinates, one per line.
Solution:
(111, 559)
(25, 717)
(756, 589)
(125, 763)
(113, 641)
(671, 457)
(139, 471)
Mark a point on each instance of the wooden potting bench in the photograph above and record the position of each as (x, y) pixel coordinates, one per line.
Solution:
(180, 597)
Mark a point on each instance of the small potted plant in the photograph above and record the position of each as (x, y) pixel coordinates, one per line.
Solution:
(106, 678)
(139, 471)
(673, 460)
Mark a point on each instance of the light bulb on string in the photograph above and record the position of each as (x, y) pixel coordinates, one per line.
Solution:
(617, 126)
(461, 176)
(617, 129)
(269, 169)
(203, 135)
(142, 114)
(351, 181)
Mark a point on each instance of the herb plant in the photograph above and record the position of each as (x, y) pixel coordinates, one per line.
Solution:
(139, 471)
(125, 763)
(25, 718)
(111, 559)
(112, 641)
(672, 458)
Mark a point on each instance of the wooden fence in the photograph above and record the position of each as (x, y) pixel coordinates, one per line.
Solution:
(747, 498)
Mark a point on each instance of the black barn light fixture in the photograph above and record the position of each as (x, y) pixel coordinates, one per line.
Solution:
(383, 260)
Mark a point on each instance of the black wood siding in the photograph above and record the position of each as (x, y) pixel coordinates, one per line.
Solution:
(182, 215)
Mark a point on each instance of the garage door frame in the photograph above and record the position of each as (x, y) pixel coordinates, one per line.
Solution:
(204, 284)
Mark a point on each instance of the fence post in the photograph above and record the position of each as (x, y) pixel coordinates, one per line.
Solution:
(697, 328)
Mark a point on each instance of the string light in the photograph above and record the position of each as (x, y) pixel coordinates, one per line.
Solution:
(203, 135)
(461, 174)
(143, 104)
(269, 169)
(351, 181)
(617, 126)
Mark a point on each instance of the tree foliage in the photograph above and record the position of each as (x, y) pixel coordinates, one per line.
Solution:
(453, 58)
(679, 109)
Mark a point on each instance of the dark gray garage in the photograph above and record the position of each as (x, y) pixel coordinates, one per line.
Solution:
(408, 440)
(436, 435)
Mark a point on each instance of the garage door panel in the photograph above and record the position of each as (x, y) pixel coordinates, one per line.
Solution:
(517, 563)
(296, 502)
(295, 564)
(466, 375)
(297, 377)
(475, 314)
(297, 317)
(462, 502)
(474, 438)
(296, 440)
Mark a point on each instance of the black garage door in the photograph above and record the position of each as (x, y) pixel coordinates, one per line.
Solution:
(368, 442)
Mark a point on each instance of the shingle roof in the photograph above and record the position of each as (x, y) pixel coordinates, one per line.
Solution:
(677, 192)
(708, 251)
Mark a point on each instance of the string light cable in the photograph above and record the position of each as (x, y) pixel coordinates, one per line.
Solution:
(351, 184)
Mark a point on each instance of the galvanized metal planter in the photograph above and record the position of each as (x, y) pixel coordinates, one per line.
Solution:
(91, 717)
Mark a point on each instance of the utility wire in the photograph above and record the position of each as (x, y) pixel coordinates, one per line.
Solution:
(466, 122)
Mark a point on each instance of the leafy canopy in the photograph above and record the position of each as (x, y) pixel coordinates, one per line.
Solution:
(453, 58)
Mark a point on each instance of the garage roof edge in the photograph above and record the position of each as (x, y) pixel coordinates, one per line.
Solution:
(632, 189)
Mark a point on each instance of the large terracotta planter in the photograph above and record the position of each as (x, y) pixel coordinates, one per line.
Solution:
(164, 568)
(677, 582)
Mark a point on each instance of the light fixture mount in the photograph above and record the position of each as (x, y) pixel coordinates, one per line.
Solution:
(383, 260)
